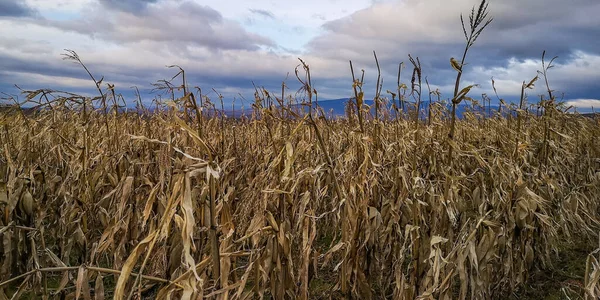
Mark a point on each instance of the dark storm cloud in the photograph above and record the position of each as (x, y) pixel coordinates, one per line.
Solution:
(24, 73)
(15, 8)
(54, 68)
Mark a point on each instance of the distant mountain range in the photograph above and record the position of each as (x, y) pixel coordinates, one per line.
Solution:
(336, 108)
(591, 115)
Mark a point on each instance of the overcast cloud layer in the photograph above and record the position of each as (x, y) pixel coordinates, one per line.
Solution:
(227, 45)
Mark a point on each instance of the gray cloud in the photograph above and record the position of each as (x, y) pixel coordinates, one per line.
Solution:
(524, 29)
(520, 28)
(432, 31)
(127, 5)
(229, 71)
(15, 8)
(263, 12)
(318, 17)
(179, 23)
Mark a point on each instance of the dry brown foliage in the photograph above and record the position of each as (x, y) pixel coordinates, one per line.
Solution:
(183, 202)
(288, 201)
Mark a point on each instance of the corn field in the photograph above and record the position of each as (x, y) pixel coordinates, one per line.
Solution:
(182, 202)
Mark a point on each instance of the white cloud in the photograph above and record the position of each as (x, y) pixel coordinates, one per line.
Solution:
(584, 103)
(579, 68)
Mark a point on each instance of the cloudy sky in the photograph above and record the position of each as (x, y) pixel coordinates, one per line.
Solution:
(228, 44)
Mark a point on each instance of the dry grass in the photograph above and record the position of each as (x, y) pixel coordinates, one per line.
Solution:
(289, 205)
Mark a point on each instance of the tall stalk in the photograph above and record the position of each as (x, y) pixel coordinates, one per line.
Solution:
(377, 95)
(524, 86)
(358, 96)
(548, 106)
(478, 21)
